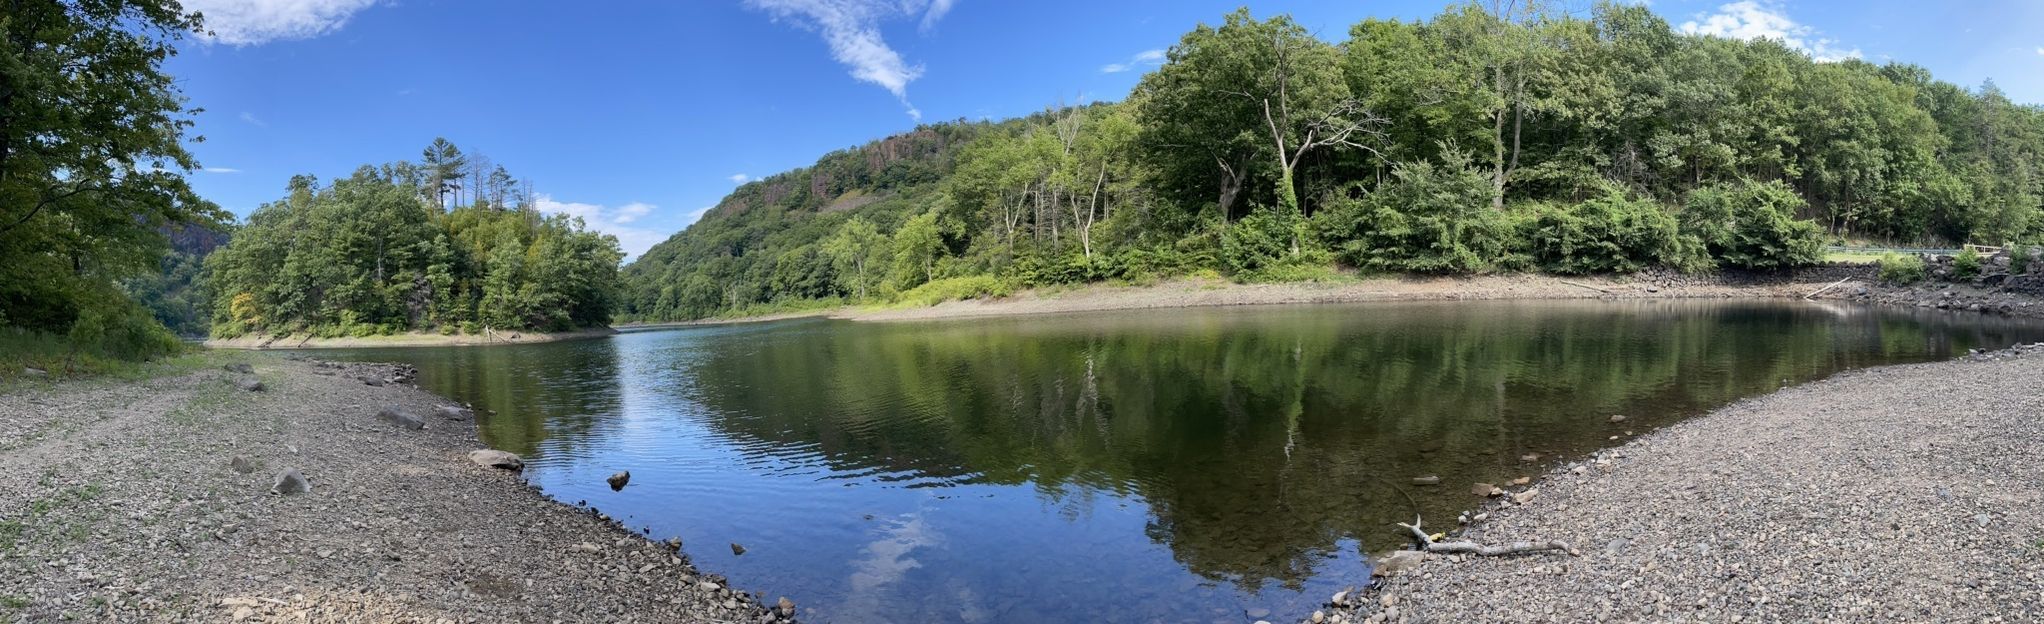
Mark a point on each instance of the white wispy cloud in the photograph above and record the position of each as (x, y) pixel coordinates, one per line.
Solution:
(221, 170)
(2040, 50)
(1752, 19)
(936, 13)
(738, 178)
(253, 120)
(253, 22)
(1146, 58)
(619, 221)
(852, 30)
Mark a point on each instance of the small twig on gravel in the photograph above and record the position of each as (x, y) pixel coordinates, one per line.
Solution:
(1584, 286)
(1515, 548)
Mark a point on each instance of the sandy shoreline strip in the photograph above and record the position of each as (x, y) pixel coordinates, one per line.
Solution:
(118, 503)
(1896, 494)
(1185, 293)
(303, 341)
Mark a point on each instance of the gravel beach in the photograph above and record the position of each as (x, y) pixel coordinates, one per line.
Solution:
(125, 501)
(1898, 494)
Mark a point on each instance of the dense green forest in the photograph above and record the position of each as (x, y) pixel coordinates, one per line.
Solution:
(92, 165)
(1470, 142)
(380, 252)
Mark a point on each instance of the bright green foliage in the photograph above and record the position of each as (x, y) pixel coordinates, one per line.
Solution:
(1752, 225)
(1607, 234)
(1966, 264)
(1431, 220)
(1465, 142)
(917, 246)
(374, 254)
(1900, 269)
(92, 159)
(856, 251)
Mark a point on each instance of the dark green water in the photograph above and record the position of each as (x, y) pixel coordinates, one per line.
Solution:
(1170, 466)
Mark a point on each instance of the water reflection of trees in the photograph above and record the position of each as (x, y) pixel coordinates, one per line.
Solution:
(561, 394)
(1260, 439)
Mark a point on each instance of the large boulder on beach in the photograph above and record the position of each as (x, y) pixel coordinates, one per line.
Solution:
(497, 459)
(403, 419)
(249, 384)
(291, 481)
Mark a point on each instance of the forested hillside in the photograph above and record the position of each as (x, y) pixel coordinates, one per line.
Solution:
(380, 252)
(1469, 142)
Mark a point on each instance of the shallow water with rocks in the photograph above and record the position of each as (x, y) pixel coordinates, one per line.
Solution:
(1216, 464)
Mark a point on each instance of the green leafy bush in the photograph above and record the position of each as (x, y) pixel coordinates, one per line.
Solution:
(1753, 225)
(956, 288)
(1900, 269)
(1966, 265)
(1260, 240)
(1431, 220)
(1608, 234)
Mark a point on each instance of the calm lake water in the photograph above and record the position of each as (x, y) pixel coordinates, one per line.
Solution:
(1167, 466)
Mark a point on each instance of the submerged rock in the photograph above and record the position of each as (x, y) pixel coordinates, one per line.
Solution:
(455, 412)
(1426, 480)
(1486, 490)
(398, 416)
(497, 459)
(618, 481)
(290, 481)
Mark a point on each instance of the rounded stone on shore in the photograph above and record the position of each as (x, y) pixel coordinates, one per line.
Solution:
(403, 419)
(251, 385)
(291, 481)
(497, 459)
(241, 464)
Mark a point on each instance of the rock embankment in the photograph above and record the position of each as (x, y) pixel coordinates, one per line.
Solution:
(1897, 494)
(152, 501)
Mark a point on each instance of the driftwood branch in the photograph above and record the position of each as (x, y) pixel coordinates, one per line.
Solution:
(1826, 288)
(1584, 286)
(1466, 547)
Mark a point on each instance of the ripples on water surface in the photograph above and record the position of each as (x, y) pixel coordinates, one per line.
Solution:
(1172, 465)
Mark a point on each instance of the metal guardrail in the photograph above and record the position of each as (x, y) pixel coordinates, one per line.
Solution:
(1894, 250)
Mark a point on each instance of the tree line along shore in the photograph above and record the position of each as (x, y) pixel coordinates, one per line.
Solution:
(1482, 140)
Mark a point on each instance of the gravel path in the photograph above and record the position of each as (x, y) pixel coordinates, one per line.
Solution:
(118, 503)
(1900, 494)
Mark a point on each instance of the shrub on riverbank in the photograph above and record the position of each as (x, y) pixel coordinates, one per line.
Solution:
(1902, 270)
(1966, 264)
(1753, 225)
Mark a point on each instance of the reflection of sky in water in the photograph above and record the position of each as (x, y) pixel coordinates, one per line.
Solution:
(1133, 467)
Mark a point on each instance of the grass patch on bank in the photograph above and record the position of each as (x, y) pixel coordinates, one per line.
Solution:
(31, 359)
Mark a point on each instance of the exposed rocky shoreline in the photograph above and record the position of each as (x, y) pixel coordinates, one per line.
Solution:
(152, 501)
(1896, 494)
(416, 339)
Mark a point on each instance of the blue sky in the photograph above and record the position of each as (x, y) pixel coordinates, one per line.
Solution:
(637, 115)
